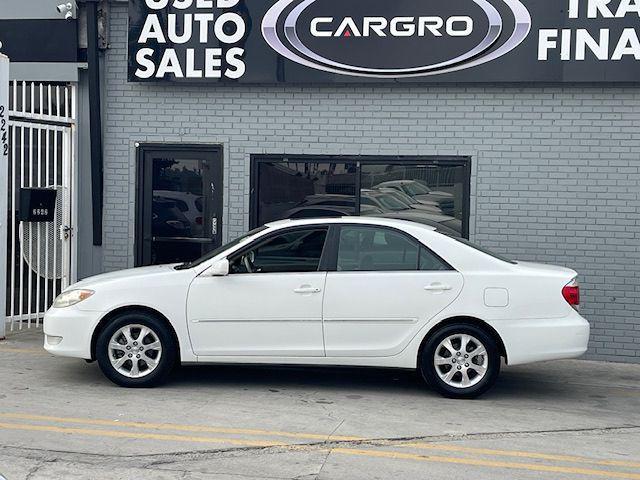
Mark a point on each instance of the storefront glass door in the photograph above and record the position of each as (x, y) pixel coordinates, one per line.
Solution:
(179, 203)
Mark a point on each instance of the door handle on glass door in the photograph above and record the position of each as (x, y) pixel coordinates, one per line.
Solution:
(437, 287)
(306, 290)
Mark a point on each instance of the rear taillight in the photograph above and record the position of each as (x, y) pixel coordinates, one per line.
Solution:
(571, 293)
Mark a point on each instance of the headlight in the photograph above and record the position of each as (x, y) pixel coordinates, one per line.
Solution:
(71, 297)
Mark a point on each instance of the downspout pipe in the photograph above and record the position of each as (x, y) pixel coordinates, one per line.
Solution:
(95, 120)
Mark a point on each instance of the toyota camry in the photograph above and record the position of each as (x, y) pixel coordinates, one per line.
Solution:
(351, 291)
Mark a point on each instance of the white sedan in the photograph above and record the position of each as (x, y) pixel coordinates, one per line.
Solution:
(352, 291)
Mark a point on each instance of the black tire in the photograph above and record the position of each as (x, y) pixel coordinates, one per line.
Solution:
(167, 357)
(431, 372)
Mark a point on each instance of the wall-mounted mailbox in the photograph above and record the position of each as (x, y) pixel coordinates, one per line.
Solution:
(37, 204)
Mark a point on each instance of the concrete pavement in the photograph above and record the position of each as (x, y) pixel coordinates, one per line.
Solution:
(60, 418)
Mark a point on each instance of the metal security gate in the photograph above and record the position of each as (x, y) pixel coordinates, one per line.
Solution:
(41, 136)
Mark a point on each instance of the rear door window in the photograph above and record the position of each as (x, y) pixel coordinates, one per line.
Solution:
(365, 249)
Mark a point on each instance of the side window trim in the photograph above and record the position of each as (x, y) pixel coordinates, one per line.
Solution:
(335, 242)
(329, 259)
(258, 242)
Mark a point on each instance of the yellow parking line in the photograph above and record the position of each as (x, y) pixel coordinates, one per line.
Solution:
(345, 451)
(488, 463)
(137, 435)
(524, 454)
(183, 428)
(322, 437)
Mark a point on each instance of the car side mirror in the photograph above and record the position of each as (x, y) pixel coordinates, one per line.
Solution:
(219, 269)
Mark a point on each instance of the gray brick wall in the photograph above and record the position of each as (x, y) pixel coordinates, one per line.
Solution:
(555, 170)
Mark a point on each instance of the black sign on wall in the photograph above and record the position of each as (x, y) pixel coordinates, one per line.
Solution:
(29, 40)
(338, 41)
(37, 204)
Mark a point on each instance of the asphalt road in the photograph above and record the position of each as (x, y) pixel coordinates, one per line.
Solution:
(61, 419)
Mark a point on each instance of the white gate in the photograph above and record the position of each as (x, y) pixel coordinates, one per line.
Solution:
(41, 135)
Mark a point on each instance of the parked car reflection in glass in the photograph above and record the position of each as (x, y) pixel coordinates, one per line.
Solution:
(189, 204)
(386, 202)
(329, 205)
(422, 193)
(425, 205)
(168, 222)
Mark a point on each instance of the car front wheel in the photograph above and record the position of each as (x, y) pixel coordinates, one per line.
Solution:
(136, 349)
(460, 361)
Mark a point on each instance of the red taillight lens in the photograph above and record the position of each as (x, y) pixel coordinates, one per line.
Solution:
(571, 293)
(198, 220)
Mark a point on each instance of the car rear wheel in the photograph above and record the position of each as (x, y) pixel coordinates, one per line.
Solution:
(136, 349)
(460, 361)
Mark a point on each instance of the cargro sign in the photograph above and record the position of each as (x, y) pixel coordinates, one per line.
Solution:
(339, 41)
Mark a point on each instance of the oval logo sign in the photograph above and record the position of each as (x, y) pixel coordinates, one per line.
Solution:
(403, 38)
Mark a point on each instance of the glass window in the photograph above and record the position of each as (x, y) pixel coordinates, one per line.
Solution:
(427, 191)
(180, 230)
(363, 249)
(429, 261)
(182, 206)
(305, 189)
(415, 188)
(293, 251)
(428, 194)
(313, 213)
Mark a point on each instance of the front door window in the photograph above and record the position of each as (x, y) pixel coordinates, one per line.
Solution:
(294, 251)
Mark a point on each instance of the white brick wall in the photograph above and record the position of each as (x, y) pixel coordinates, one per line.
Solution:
(556, 170)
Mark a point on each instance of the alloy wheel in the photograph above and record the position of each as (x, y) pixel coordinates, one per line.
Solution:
(461, 360)
(135, 350)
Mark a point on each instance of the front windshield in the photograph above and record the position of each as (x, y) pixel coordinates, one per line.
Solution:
(415, 188)
(404, 197)
(221, 249)
(391, 203)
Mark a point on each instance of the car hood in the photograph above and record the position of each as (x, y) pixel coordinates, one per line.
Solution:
(426, 206)
(129, 274)
(441, 194)
(434, 197)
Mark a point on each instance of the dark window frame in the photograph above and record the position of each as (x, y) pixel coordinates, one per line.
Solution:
(359, 161)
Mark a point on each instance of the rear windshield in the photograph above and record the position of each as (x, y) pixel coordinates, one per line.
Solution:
(481, 249)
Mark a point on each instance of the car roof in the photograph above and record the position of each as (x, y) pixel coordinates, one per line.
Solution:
(385, 222)
(396, 182)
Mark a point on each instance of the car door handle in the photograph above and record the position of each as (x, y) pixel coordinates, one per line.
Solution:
(306, 290)
(437, 287)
